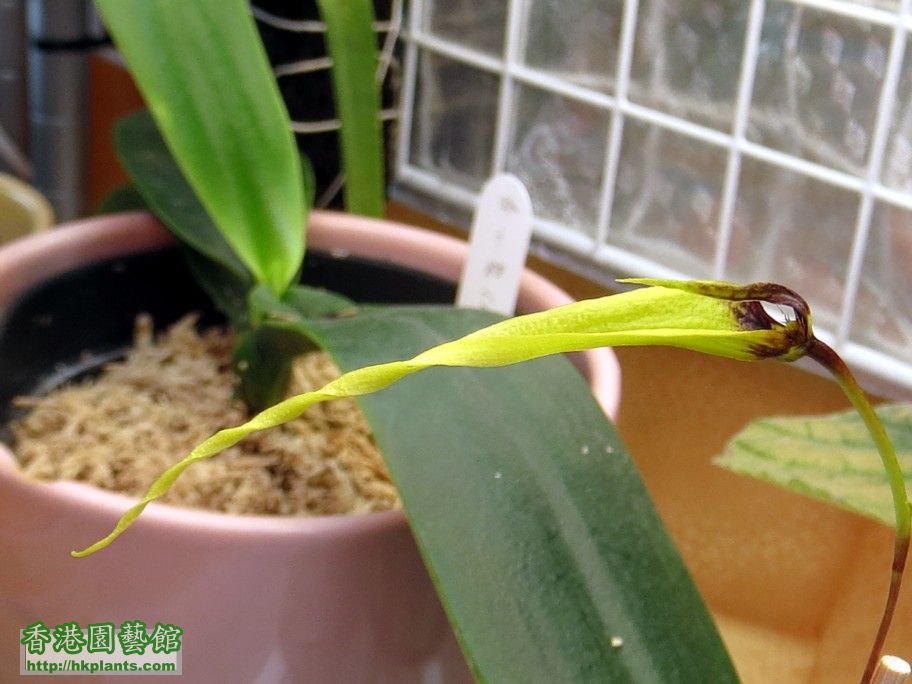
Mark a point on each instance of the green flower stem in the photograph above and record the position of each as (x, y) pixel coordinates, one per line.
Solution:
(830, 360)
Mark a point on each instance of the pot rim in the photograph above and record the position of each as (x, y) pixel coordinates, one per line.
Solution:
(25, 262)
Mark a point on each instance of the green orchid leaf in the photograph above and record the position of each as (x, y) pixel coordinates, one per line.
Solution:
(299, 302)
(225, 288)
(352, 46)
(569, 558)
(161, 187)
(309, 182)
(830, 458)
(203, 72)
(316, 302)
(164, 189)
(122, 198)
(262, 358)
(266, 346)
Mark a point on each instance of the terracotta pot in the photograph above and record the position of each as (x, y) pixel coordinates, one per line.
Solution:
(261, 599)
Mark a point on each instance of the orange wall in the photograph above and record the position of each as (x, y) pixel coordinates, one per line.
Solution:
(112, 95)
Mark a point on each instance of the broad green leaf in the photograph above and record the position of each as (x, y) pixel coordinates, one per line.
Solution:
(203, 72)
(158, 179)
(315, 302)
(163, 189)
(352, 46)
(531, 517)
(227, 290)
(263, 354)
(122, 198)
(831, 458)
(262, 360)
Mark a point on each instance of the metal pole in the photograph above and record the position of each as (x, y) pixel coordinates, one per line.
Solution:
(58, 101)
(13, 98)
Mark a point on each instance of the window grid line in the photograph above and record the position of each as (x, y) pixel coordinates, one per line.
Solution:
(896, 198)
(851, 10)
(615, 133)
(448, 48)
(839, 179)
(875, 164)
(409, 81)
(502, 131)
(739, 129)
(528, 76)
(877, 363)
(553, 84)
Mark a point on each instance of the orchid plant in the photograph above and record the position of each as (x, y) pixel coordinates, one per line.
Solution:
(567, 549)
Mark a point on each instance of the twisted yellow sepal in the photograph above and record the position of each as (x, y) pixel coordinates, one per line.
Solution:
(707, 316)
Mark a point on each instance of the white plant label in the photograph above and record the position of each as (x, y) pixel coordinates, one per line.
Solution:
(498, 245)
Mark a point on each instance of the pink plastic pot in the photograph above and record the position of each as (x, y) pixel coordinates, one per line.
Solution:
(260, 599)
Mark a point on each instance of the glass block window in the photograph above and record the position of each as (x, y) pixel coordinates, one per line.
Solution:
(733, 139)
